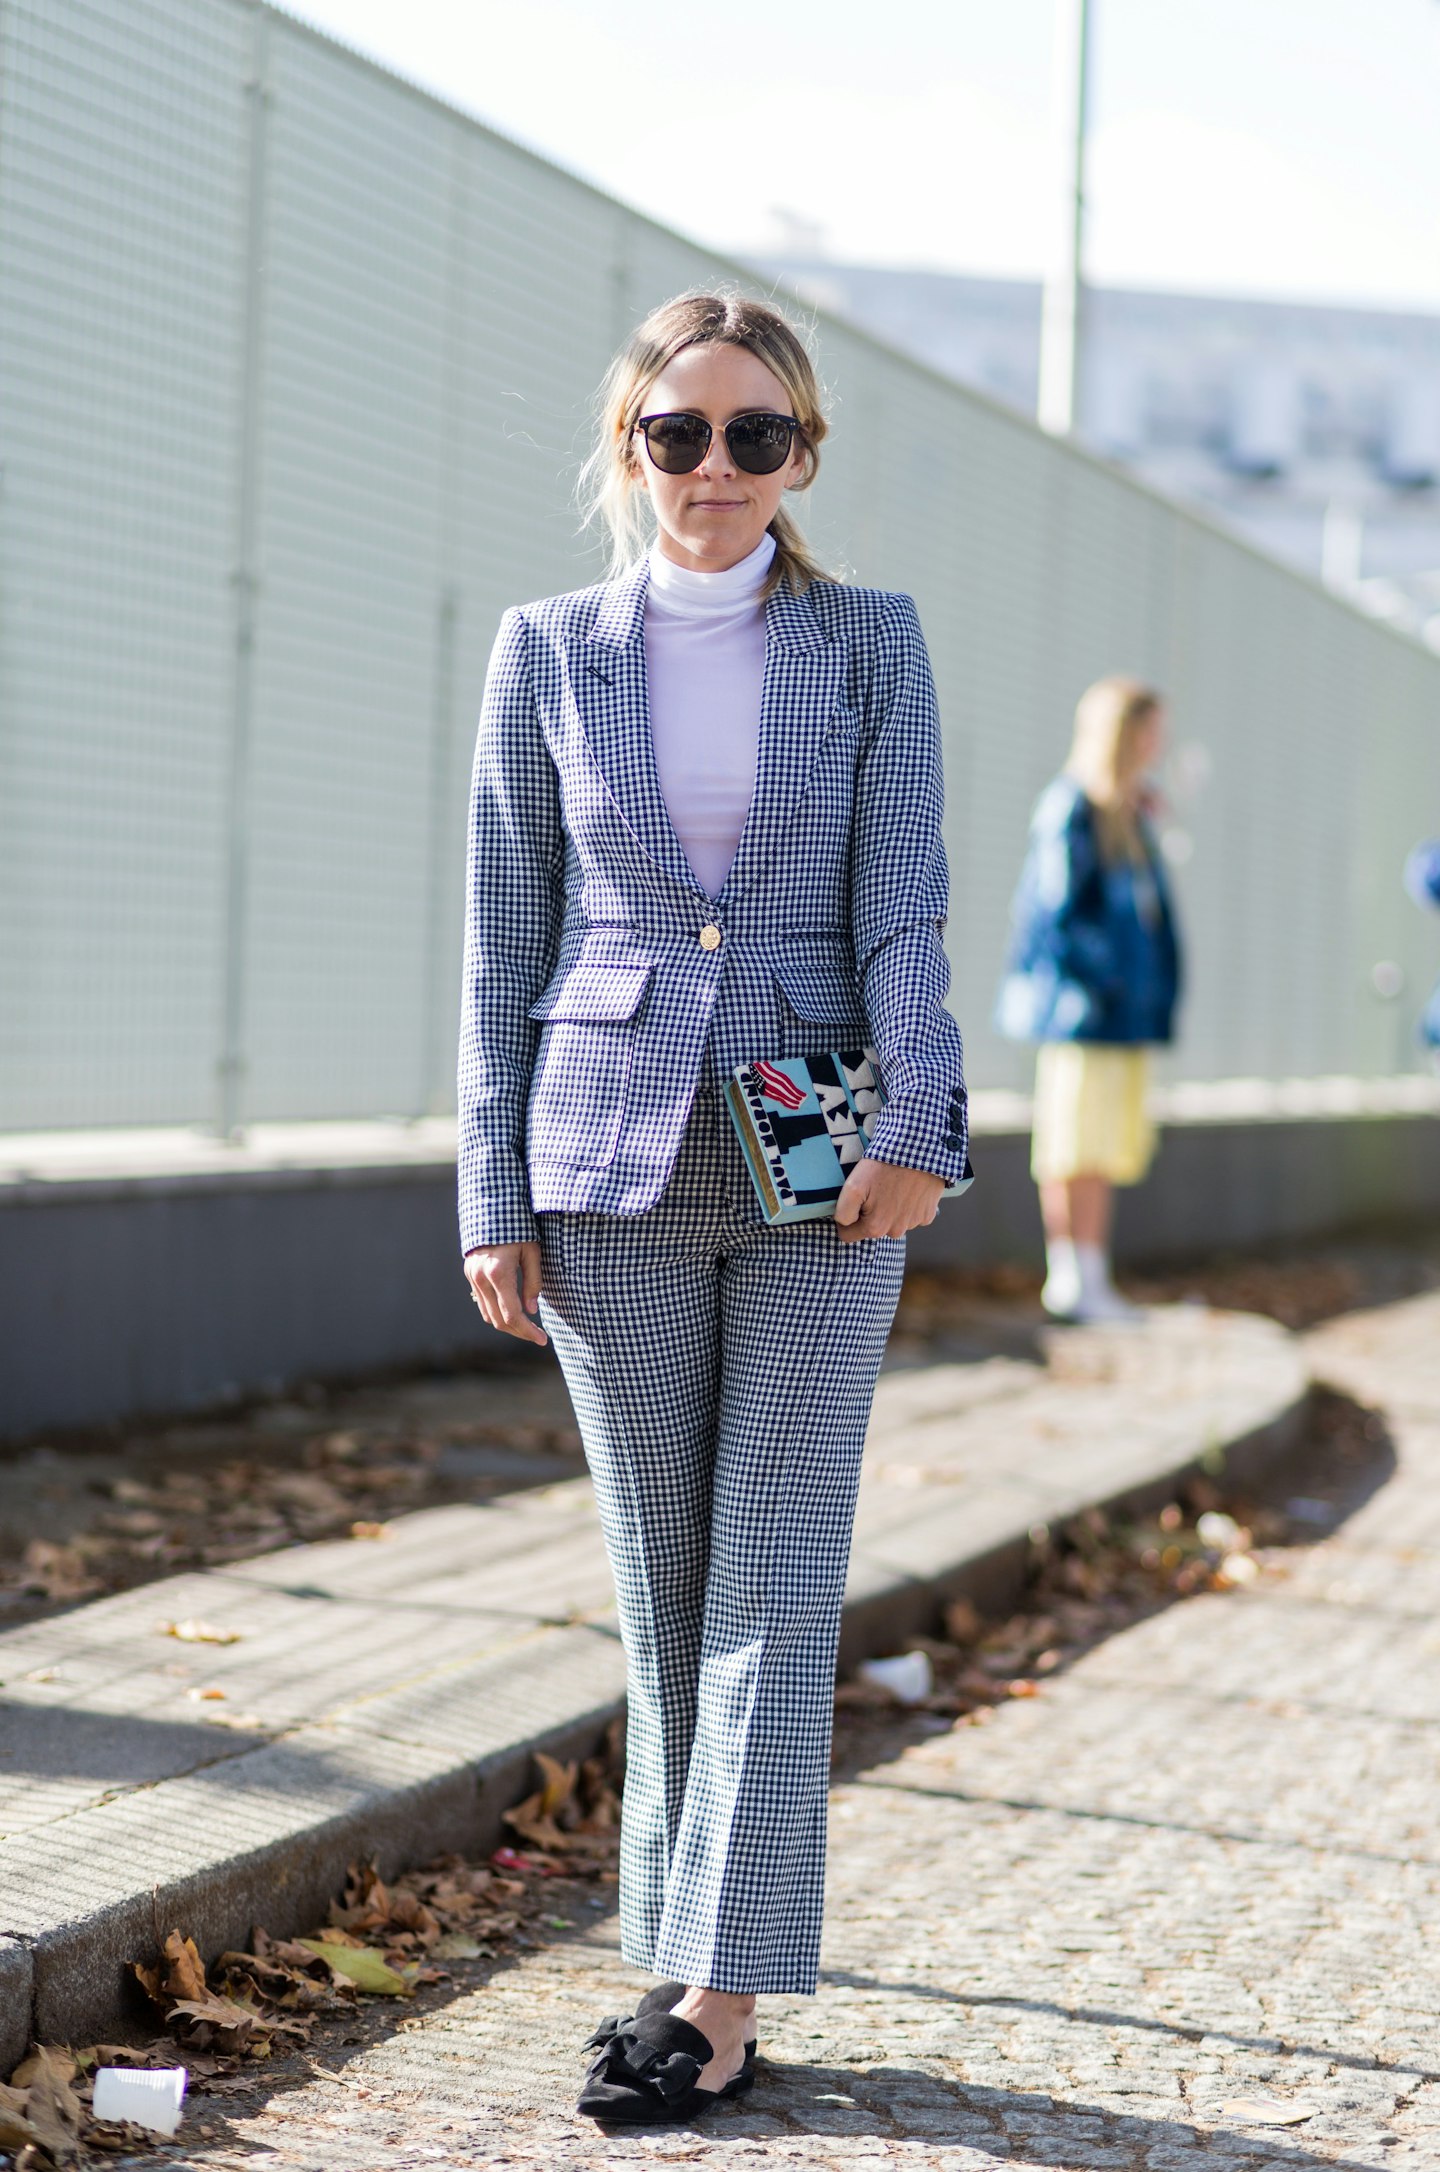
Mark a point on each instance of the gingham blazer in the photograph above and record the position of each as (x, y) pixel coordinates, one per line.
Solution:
(589, 995)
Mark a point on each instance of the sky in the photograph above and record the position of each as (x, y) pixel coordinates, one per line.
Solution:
(1284, 148)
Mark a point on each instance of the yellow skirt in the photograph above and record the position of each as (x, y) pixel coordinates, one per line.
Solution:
(1090, 1112)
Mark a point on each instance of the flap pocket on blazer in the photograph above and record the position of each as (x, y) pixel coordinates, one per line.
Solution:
(594, 992)
(820, 991)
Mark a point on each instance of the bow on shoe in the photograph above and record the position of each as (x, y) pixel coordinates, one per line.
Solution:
(607, 2030)
(632, 2061)
(646, 2074)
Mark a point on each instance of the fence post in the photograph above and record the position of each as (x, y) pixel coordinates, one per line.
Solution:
(246, 583)
(440, 1013)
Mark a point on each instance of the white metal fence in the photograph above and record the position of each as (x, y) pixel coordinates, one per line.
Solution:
(296, 368)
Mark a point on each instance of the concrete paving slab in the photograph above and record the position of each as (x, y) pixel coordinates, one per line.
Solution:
(432, 1542)
(385, 1697)
(477, 1713)
(71, 1755)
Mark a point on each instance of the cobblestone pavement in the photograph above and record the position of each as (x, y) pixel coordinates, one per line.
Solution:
(1191, 1890)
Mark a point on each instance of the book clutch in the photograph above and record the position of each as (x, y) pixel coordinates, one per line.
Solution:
(804, 1122)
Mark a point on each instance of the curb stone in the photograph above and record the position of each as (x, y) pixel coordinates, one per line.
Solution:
(265, 1837)
(17, 1979)
(978, 1547)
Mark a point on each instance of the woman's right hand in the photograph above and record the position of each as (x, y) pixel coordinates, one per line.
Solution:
(505, 1284)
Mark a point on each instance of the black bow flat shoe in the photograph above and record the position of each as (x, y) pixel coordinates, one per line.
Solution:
(662, 2000)
(646, 2075)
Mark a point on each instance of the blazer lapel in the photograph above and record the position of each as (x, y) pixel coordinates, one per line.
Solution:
(804, 679)
(612, 697)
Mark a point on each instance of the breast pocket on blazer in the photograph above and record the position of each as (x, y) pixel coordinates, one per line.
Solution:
(582, 1066)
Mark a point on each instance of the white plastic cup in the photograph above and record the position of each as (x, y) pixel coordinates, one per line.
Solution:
(146, 2096)
(910, 1678)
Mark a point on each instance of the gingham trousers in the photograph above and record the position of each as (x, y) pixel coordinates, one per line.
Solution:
(722, 1373)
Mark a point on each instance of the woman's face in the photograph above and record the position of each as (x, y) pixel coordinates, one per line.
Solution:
(714, 516)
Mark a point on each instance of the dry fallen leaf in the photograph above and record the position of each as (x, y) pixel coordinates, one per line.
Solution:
(199, 2017)
(193, 1631)
(179, 1975)
(57, 1572)
(364, 1966)
(1266, 2111)
(210, 2019)
(95, 2055)
(962, 1622)
(16, 2131)
(460, 1946)
(574, 1813)
(51, 2109)
(46, 2063)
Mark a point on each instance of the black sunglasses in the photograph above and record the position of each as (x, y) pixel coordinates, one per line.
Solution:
(758, 443)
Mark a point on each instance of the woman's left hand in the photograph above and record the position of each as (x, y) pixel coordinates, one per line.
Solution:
(880, 1200)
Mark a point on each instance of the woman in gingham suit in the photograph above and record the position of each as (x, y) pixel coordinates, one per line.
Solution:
(705, 830)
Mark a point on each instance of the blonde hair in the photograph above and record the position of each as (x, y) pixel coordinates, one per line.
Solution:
(1105, 760)
(610, 485)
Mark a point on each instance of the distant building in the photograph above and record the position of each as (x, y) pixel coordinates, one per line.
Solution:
(1313, 430)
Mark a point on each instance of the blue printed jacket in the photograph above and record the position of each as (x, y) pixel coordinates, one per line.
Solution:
(599, 976)
(1422, 880)
(1094, 951)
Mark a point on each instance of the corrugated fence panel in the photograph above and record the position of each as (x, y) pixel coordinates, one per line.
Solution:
(299, 371)
(121, 217)
(353, 474)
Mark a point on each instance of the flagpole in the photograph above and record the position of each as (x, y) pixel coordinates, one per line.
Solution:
(1063, 302)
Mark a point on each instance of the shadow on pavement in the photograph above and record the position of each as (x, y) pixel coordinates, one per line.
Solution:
(906, 2103)
(1109, 2018)
(124, 1749)
(1108, 1816)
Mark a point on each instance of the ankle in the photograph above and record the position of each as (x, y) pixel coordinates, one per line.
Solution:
(739, 2003)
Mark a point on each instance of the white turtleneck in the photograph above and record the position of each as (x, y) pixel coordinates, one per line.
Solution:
(705, 661)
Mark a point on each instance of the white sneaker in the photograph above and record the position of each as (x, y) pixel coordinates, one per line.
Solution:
(1063, 1280)
(1060, 1297)
(1106, 1307)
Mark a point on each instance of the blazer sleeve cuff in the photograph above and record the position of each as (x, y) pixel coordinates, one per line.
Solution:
(493, 1226)
(494, 1201)
(934, 1136)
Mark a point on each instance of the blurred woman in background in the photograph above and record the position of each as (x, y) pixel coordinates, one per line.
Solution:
(1093, 975)
(1422, 880)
